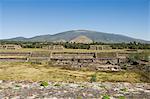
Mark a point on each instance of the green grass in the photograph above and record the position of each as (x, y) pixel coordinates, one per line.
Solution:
(44, 72)
(44, 84)
(122, 97)
(106, 97)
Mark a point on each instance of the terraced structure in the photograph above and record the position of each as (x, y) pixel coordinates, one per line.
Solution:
(75, 58)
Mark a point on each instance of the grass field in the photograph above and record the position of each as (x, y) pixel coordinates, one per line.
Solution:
(43, 72)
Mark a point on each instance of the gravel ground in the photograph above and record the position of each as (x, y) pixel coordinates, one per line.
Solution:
(61, 90)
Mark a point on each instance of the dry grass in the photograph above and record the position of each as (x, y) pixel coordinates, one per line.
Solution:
(36, 72)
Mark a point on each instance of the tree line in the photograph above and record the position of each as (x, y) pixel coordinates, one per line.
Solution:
(131, 45)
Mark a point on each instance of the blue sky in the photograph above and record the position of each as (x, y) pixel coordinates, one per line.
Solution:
(29, 18)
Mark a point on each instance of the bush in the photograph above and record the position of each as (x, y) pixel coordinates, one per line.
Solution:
(121, 97)
(124, 89)
(139, 56)
(57, 84)
(93, 78)
(44, 84)
(106, 97)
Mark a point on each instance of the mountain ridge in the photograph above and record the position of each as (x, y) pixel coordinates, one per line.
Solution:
(93, 35)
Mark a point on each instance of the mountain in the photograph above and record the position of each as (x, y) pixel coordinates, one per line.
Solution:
(18, 39)
(93, 35)
(60, 40)
(81, 39)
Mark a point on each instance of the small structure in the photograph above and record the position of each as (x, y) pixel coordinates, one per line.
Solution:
(10, 47)
(54, 47)
(100, 47)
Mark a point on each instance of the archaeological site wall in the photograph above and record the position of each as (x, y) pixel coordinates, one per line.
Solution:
(98, 61)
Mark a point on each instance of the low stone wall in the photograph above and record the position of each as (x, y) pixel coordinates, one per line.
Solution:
(72, 55)
(38, 59)
(15, 53)
(91, 64)
(40, 54)
(13, 59)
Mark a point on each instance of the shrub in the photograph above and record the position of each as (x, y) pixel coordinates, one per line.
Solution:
(93, 78)
(17, 87)
(44, 84)
(139, 56)
(124, 89)
(121, 97)
(106, 97)
(57, 85)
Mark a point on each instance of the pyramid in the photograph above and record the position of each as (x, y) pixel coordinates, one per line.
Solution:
(81, 39)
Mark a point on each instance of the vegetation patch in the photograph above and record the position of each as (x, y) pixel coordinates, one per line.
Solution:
(93, 78)
(57, 84)
(44, 84)
(44, 72)
(122, 97)
(106, 97)
(124, 89)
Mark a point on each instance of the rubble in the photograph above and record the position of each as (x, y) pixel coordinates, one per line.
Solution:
(83, 90)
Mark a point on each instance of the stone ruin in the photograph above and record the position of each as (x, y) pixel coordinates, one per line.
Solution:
(100, 47)
(89, 60)
(95, 61)
(10, 47)
(54, 47)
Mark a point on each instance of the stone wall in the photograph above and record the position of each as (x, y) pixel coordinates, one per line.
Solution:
(100, 47)
(54, 47)
(71, 55)
(13, 59)
(10, 47)
(15, 53)
(97, 61)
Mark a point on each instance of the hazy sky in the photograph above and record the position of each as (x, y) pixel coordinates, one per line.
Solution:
(29, 18)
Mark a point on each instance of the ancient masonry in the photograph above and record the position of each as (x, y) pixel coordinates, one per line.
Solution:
(97, 61)
(10, 47)
(100, 47)
(54, 47)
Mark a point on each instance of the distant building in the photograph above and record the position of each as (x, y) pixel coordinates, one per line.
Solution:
(54, 47)
(100, 47)
(10, 47)
(81, 39)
